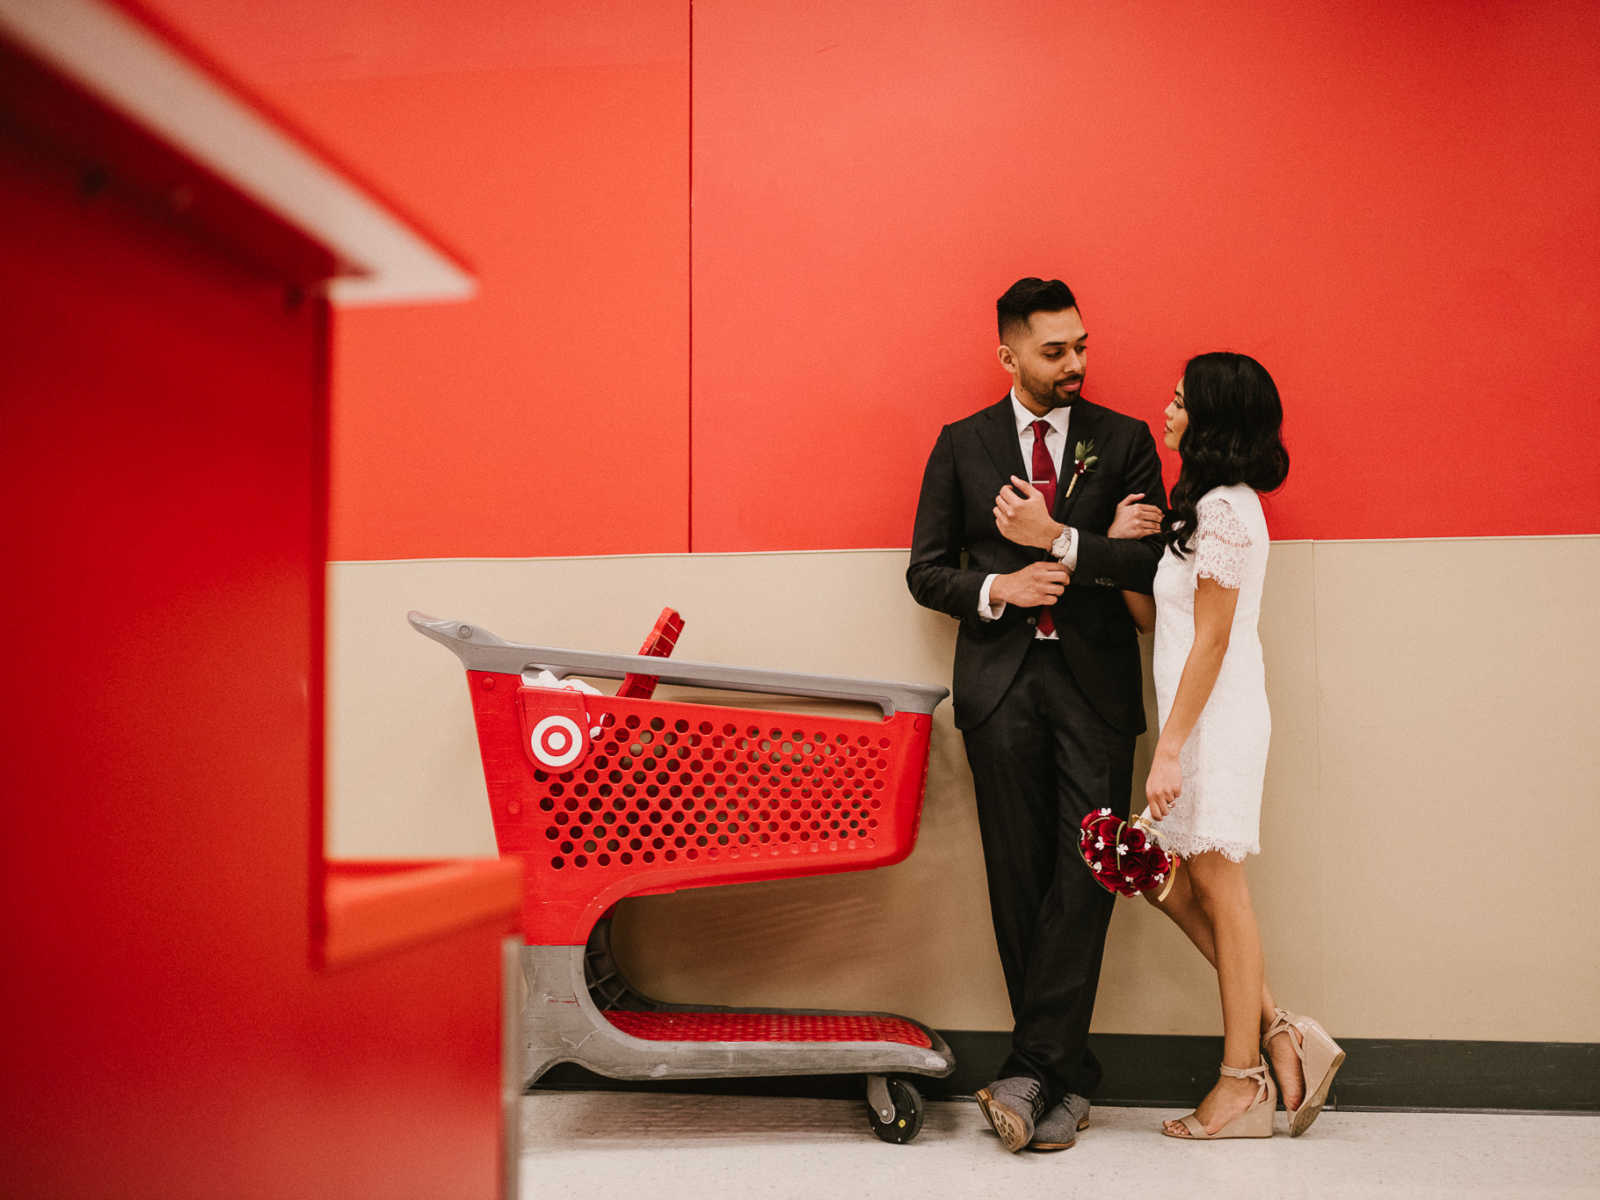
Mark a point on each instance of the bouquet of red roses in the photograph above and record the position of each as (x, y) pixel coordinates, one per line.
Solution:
(1122, 855)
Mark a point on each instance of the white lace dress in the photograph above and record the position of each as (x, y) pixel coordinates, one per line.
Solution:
(1225, 758)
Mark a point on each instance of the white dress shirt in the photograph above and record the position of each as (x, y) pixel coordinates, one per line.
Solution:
(1055, 441)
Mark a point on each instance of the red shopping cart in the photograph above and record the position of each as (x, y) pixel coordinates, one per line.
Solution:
(609, 796)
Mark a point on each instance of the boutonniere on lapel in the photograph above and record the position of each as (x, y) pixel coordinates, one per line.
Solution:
(1084, 460)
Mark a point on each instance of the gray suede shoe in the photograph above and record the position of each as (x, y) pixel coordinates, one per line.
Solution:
(1058, 1128)
(1012, 1105)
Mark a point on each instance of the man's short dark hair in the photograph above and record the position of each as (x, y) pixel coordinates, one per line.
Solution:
(1028, 296)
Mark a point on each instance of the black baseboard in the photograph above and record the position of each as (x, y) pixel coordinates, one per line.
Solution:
(1156, 1071)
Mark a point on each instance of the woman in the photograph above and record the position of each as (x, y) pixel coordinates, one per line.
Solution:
(1204, 787)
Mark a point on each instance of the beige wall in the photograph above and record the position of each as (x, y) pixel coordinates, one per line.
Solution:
(1428, 825)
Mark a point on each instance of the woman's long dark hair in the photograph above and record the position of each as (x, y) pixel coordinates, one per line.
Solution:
(1233, 436)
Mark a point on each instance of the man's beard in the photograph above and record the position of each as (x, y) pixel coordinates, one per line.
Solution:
(1051, 396)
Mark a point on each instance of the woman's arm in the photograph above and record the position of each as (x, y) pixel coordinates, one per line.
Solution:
(1135, 520)
(1128, 562)
(1142, 609)
(1213, 623)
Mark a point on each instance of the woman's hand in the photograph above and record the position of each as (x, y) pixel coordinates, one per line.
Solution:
(1164, 784)
(1135, 520)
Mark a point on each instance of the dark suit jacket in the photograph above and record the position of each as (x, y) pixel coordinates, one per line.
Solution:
(955, 544)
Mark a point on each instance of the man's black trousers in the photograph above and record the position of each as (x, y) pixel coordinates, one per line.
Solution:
(1040, 762)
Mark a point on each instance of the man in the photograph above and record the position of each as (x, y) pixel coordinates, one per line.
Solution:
(1011, 540)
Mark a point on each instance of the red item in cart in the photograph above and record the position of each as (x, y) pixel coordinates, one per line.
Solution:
(658, 643)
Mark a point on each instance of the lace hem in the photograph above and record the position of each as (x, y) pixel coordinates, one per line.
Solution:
(1187, 845)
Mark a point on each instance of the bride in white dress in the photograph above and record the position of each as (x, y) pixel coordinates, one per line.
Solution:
(1204, 787)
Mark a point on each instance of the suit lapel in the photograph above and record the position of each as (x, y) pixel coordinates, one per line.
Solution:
(1082, 430)
(998, 433)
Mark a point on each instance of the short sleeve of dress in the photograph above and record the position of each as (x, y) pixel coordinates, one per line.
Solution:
(1221, 543)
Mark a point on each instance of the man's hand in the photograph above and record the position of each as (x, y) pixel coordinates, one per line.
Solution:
(1135, 520)
(1021, 516)
(1035, 585)
(1164, 785)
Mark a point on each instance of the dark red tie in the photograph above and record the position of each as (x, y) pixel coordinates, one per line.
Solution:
(1044, 478)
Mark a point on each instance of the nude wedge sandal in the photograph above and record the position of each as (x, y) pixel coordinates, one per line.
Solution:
(1320, 1059)
(1253, 1122)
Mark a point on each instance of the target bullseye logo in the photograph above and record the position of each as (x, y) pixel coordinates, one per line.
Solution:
(557, 741)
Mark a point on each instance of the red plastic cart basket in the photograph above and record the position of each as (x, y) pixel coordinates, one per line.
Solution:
(604, 797)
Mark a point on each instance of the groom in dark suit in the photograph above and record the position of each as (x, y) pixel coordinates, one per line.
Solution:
(1011, 540)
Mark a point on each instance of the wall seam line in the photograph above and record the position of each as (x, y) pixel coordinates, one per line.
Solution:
(508, 558)
(1318, 783)
(689, 277)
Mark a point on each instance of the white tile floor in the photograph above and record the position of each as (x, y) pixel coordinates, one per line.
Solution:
(632, 1146)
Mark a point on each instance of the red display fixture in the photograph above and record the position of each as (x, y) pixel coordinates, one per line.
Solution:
(204, 1005)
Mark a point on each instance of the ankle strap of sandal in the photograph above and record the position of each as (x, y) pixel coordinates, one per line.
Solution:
(1280, 1024)
(1257, 1072)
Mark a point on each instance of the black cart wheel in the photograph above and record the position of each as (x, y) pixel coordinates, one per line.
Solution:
(906, 1120)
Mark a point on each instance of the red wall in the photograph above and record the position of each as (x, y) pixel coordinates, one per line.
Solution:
(162, 475)
(1393, 206)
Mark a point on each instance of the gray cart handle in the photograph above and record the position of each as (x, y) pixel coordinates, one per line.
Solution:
(480, 650)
